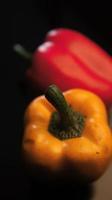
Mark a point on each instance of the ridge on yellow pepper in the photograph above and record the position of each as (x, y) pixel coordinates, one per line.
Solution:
(67, 135)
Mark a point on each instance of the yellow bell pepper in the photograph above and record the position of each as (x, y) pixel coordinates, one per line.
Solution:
(67, 135)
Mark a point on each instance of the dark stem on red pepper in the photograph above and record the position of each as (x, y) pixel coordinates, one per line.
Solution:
(65, 123)
(22, 52)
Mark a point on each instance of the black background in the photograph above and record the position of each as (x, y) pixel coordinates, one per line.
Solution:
(27, 22)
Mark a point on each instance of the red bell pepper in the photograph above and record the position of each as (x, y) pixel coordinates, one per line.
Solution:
(69, 59)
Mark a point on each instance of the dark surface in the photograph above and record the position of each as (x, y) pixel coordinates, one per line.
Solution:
(27, 24)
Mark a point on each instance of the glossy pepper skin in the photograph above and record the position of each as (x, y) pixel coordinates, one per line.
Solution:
(85, 157)
(69, 59)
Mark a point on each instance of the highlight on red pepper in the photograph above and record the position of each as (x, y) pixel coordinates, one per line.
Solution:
(70, 59)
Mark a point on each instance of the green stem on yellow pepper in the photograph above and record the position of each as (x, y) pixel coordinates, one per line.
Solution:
(65, 122)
